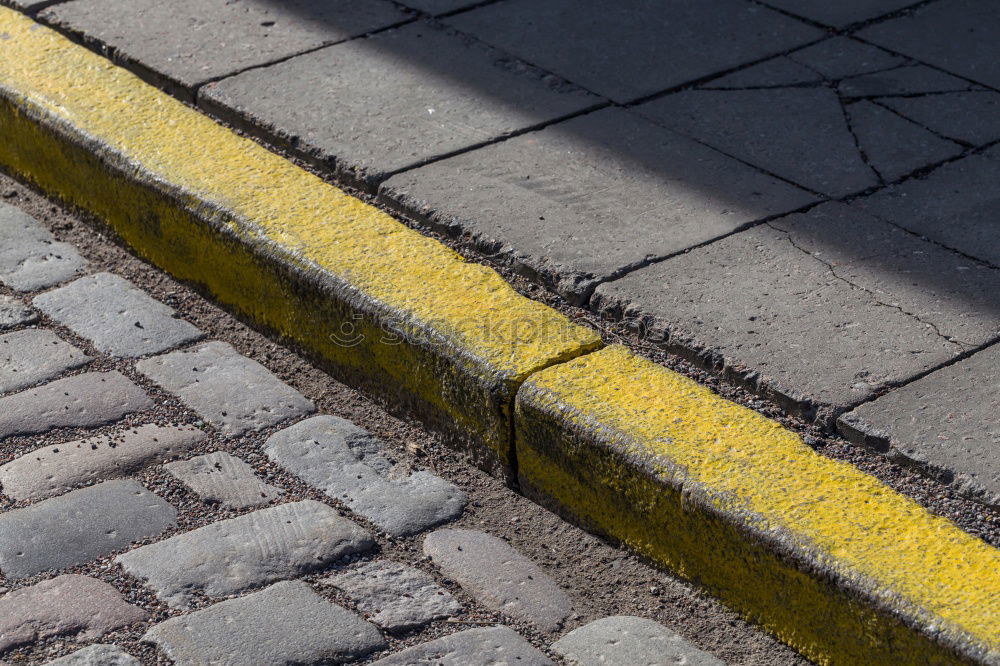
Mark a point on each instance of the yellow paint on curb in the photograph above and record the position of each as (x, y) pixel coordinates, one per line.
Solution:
(714, 490)
(221, 211)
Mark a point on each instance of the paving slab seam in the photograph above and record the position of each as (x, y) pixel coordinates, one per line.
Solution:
(924, 63)
(851, 27)
(897, 588)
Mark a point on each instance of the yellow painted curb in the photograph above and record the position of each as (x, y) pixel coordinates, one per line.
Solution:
(380, 304)
(829, 559)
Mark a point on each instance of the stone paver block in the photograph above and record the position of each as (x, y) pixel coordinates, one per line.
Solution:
(841, 13)
(946, 424)
(345, 462)
(188, 42)
(473, 647)
(235, 555)
(629, 641)
(581, 201)
(957, 36)
(30, 356)
(756, 306)
(117, 317)
(498, 576)
(618, 48)
(230, 391)
(396, 596)
(79, 526)
(55, 469)
(15, 313)
(220, 478)
(97, 655)
(30, 257)
(427, 93)
(954, 205)
(83, 401)
(69, 605)
(791, 117)
(287, 623)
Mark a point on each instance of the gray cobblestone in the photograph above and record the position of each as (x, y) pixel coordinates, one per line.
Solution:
(629, 641)
(287, 623)
(235, 555)
(79, 526)
(97, 655)
(223, 479)
(118, 318)
(498, 576)
(15, 313)
(474, 647)
(68, 605)
(344, 462)
(55, 469)
(30, 258)
(230, 391)
(87, 400)
(397, 597)
(34, 355)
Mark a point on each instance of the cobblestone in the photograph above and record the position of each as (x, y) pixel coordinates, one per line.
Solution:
(230, 391)
(70, 605)
(498, 576)
(629, 641)
(55, 469)
(34, 355)
(287, 623)
(219, 478)
(397, 597)
(15, 313)
(345, 462)
(97, 655)
(81, 401)
(30, 258)
(79, 526)
(235, 555)
(118, 318)
(473, 647)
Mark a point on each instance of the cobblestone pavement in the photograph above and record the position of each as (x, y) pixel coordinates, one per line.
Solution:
(796, 195)
(177, 488)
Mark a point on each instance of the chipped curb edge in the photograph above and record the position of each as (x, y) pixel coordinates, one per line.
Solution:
(830, 560)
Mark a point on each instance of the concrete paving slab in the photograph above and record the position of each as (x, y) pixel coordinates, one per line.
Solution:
(30, 356)
(762, 310)
(79, 526)
(946, 424)
(954, 205)
(70, 605)
(436, 7)
(910, 80)
(427, 92)
(117, 317)
(958, 36)
(581, 201)
(184, 43)
(489, 646)
(628, 49)
(841, 13)
(789, 117)
(629, 641)
(51, 470)
(971, 117)
(287, 623)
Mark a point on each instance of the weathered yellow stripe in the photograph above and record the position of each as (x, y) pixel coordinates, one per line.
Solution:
(156, 170)
(635, 450)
